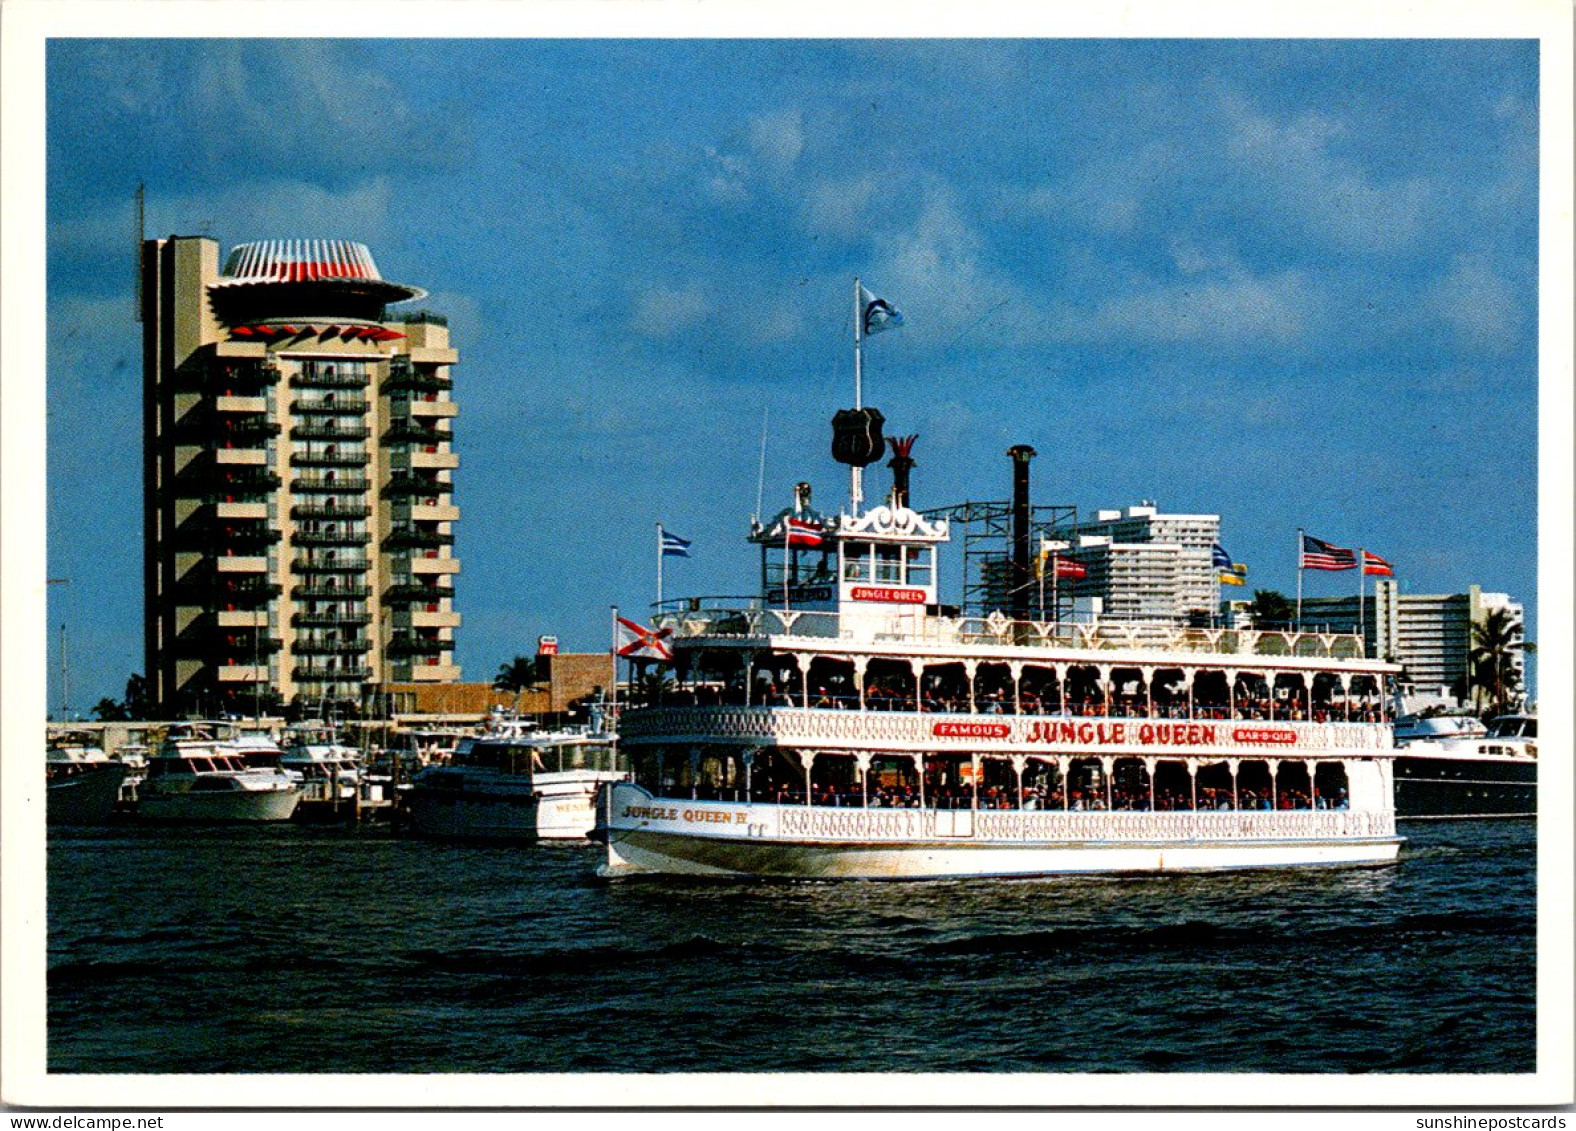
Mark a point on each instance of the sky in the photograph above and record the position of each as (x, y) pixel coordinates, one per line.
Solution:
(1292, 283)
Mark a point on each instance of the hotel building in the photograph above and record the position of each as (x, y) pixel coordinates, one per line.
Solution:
(298, 477)
(1430, 634)
(1143, 565)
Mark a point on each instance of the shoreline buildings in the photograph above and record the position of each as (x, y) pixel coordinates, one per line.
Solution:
(1143, 565)
(298, 477)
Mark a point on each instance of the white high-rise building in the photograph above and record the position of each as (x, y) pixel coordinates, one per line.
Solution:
(1145, 565)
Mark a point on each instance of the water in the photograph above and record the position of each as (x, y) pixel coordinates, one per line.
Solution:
(289, 949)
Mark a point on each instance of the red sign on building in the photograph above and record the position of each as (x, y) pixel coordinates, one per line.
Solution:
(547, 645)
(884, 593)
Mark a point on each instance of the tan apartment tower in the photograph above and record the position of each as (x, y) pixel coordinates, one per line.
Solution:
(298, 478)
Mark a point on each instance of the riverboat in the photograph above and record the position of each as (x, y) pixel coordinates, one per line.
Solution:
(515, 783)
(1452, 767)
(846, 724)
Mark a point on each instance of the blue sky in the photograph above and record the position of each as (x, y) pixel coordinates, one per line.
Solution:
(1292, 283)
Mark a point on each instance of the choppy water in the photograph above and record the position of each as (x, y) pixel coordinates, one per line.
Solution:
(302, 950)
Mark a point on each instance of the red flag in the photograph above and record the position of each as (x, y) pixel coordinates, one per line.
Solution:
(1375, 566)
(802, 533)
(1070, 569)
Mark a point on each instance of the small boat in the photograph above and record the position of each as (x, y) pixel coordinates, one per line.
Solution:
(329, 771)
(84, 782)
(1452, 766)
(196, 777)
(515, 782)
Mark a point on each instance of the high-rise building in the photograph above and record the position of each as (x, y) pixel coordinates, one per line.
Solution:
(298, 477)
(1144, 565)
(1429, 634)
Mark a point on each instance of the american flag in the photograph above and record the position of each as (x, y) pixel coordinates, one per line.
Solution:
(1321, 555)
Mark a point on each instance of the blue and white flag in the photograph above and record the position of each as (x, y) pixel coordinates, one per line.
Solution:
(1222, 560)
(674, 547)
(878, 313)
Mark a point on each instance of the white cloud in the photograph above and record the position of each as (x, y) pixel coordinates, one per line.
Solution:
(778, 139)
(662, 311)
(1308, 183)
(1476, 301)
(838, 207)
(1231, 309)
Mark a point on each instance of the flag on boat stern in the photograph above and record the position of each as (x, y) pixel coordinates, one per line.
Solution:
(878, 313)
(1317, 554)
(1375, 566)
(799, 532)
(636, 642)
(674, 547)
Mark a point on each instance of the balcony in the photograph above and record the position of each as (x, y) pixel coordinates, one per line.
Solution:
(322, 483)
(416, 380)
(405, 592)
(314, 377)
(422, 618)
(408, 432)
(355, 564)
(438, 409)
(429, 673)
(424, 512)
(356, 647)
(313, 429)
(331, 538)
(433, 565)
(406, 539)
(411, 644)
(255, 509)
(320, 510)
(329, 459)
(330, 406)
(248, 430)
(224, 402)
(240, 673)
(241, 618)
(317, 673)
(405, 485)
(240, 457)
(244, 591)
(330, 620)
(237, 564)
(436, 461)
(315, 591)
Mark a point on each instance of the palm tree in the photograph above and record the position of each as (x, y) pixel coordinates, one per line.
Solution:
(1496, 640)
(515, 676)
(1270, 609)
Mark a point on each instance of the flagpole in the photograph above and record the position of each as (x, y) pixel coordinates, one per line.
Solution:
(856, 474)
(787, 537)
(659, 569)
(1299, 579)
(612, 653)
(1362, 596)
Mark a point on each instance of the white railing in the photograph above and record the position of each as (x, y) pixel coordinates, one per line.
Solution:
(921, 824)
(997, 630)
(1044, 735)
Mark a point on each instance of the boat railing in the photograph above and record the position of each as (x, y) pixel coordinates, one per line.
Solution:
(697, 618)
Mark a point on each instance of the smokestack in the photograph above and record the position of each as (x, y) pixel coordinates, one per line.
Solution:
(901, 464)
(1018, 601)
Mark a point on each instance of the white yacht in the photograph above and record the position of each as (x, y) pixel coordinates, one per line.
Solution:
(515, 782)
(196, 777)
(84, 782)
(1452, 766)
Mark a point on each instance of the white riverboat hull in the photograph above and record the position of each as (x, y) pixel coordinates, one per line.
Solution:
(720, 838)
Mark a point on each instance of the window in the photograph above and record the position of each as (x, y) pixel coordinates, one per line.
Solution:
(889, 564)
(919, 568)
(856, 561)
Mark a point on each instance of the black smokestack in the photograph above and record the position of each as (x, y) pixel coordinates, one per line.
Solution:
(1018, 601)
(901, 464)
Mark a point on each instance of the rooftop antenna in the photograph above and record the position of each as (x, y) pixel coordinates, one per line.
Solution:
(141, 234)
